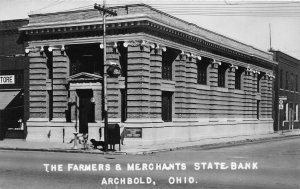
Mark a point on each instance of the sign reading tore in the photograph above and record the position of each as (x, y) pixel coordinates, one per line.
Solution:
(7, 79)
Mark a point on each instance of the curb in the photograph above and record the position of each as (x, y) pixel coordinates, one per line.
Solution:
(145, 152)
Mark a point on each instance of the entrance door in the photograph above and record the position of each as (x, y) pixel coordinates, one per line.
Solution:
(166, 106)
(86, 110)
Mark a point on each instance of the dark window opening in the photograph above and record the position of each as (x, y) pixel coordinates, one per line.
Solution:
(202, 70)
(123, 56)
(258, 109)
(166, 106)
(281, 81)
(258, 81)
(222, 75)
(123, 105)
(292, 82)
(238, 78)
(296, 83)
(49, 105)
(287, 80)
(85, 58)
(168, 58)
(49, 56)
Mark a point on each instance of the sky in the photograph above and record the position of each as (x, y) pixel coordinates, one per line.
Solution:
(250, 22)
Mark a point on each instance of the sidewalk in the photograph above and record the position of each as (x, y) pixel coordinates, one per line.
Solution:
(16, 144)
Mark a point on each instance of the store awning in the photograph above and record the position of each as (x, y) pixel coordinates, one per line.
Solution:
(6, 97)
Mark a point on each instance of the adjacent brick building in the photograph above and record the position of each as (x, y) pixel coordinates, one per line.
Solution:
(13, 80)
(286, 88)
(179, 82)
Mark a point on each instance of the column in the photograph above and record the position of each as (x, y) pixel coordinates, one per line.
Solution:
(59, 84)
(113, 91)
(37, 86)
(264, 97)
(138, 84)
(248, 95)
(180, 87)
(232, 96)
(191, 88)
(213, 82)
(155, 85)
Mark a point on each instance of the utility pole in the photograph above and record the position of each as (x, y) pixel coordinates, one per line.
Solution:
(105, 114)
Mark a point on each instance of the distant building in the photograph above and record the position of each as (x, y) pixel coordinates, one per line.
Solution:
(179, 82)
(14, 100)
(287, 91)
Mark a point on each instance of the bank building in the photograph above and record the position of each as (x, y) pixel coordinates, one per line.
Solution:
(178, 82)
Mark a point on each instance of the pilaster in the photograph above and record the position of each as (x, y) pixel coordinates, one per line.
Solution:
(231, 94)
(113, 92)
(248, 95)
(191, 88)
(155, 85)
(59, 83)
(138, 84)
(180, 87)
(37, 85)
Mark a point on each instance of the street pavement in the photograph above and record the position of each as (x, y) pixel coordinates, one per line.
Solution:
(12, 144)
(264, 164)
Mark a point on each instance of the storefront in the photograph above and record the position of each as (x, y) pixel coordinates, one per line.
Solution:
(178, 82)
(13, 81)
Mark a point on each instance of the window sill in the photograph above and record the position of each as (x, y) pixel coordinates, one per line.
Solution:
(203, 87)
(221, 89)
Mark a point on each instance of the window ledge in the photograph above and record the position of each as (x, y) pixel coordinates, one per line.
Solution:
(204, 87)
(221, 89)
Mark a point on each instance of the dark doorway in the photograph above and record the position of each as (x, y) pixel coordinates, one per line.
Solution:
(166, 106)
(86, 109)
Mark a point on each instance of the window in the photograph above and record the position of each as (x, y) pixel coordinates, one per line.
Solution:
(296, 83)
(296, 112)
(238, 78)
(123, 59)
(222, 75)
(166, 106)
(281, 78)
(292, 82)
(168, 58)
(259, 76)
(49, 57)
(202, 70)
(287, 80)
(286, 109)
(49, 107)
(85, 58)
(258, 109)
(123, 105)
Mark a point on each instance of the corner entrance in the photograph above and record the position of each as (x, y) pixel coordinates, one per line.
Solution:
(86, 109)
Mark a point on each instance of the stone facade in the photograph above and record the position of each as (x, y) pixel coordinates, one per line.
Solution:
(159, 92)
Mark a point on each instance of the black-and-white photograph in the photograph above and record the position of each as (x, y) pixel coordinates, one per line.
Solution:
(148, 94)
